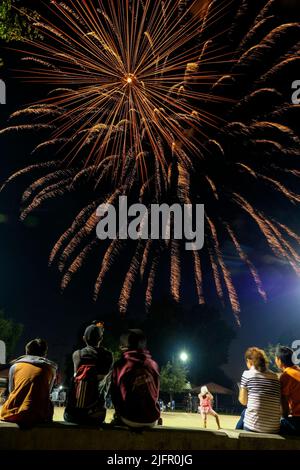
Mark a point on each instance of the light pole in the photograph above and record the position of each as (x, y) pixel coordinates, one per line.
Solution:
(185, 358)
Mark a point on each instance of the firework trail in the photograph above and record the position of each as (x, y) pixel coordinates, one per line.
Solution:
(168, 101)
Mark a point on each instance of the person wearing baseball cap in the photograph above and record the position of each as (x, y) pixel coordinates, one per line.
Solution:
(92, 337)
(91, 365)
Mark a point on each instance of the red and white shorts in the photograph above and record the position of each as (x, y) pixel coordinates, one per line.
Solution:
(206, 410)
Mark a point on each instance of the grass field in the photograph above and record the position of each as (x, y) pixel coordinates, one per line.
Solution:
(181, 420)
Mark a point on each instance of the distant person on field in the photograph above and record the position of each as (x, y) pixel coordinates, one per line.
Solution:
(205, 408)
(161, 405)
(260, 393)
(85, 401)
(31, 378)
(135, 383)
(189, 403)
(62, 396)
(290, 391)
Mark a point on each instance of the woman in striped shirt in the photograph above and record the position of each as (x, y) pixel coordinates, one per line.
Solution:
(260, 393)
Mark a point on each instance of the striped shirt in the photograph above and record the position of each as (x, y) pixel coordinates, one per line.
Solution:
(263, 408)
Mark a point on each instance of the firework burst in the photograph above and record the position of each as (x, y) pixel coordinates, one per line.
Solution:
(167, 104)
(122, 71)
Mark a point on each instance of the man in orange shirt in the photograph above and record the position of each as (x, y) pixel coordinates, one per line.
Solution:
(30, 381)
(290, 391)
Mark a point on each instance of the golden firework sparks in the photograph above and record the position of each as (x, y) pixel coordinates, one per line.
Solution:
(154, 100)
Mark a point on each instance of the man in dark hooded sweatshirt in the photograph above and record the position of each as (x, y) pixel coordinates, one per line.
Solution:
(135, 383)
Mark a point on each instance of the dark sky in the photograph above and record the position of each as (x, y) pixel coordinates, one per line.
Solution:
(30, 291)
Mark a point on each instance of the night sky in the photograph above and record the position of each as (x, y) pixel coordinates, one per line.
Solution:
(30, 291)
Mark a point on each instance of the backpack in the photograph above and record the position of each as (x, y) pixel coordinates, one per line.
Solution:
(85, 387)
(84, 399)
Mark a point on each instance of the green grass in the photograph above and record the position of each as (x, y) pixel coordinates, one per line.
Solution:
(177, 419)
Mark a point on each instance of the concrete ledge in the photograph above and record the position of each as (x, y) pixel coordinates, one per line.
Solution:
(63, 436)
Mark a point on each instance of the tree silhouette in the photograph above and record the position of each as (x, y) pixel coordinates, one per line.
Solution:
(173, 379)
(10, 333)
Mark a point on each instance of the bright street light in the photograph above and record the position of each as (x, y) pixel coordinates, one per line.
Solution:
(183, 356)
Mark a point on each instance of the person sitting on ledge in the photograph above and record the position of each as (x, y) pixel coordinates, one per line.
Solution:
(290, 391)
(260, 393)
(135, 383)
(31, 378)
(85, 401)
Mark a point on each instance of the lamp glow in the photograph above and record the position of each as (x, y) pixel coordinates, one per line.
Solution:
(183, 356)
